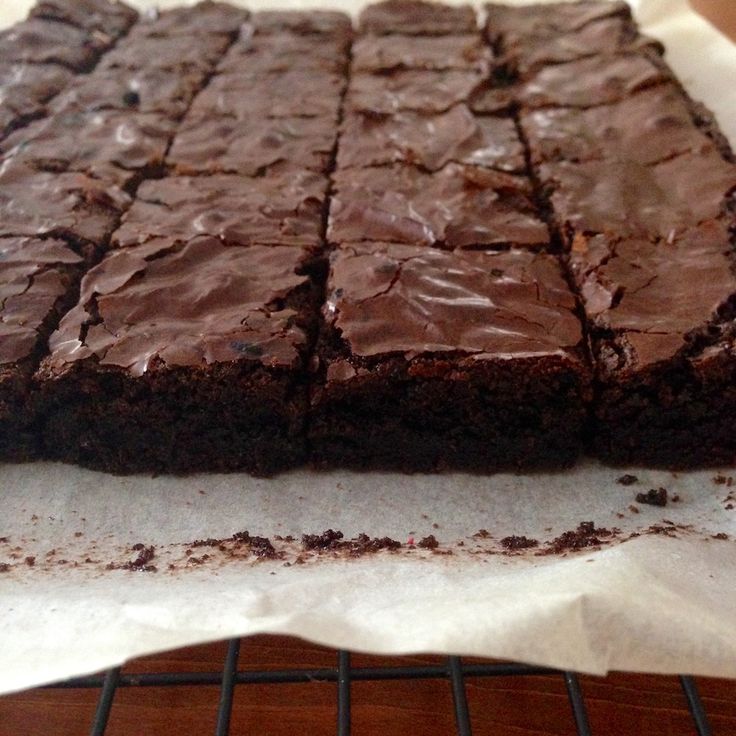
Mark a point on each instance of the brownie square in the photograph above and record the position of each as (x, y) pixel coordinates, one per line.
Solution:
(661, 319)
(72, 206)
(430, 140)
(37, 279)
(459, 206)
(413, 89)
(112, 18)
(206, 18)
(296, 92)
(38, 41)
(252, 146)
(283, 209)
(430, 360)
(25, 89)
(183, 359)
(110, 145)
(625, 198)
(417, 17)
(388, 53)
(146, 90)
(595, 81)
(646, 128)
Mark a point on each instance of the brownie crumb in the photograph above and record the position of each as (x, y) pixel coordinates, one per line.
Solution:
(139, 564)
(481, 534)
(586, 535)
(627, 480)
(333, 541)
(723, 480)
(4, 567)
(428, 542)
(3, 540)
(633, 509)
(260, 546)
(722, 536)
(326, 540)
(676, 498)
(30, 561)
(198, 560)
(518, 542)
(653, 497)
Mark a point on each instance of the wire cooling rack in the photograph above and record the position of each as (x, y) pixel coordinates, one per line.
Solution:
(455, 671)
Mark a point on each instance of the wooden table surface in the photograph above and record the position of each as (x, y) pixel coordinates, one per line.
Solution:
(618, 705)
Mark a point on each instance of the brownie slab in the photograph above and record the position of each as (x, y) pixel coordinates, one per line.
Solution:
(661, 320)
(37, 280)
(646, 128)
(430, 360)
(277, 210)
(417, 17)
(430, 140)
(183, 359)
(459, 206)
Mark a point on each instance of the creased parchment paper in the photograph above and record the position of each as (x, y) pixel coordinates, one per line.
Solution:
(660, 602)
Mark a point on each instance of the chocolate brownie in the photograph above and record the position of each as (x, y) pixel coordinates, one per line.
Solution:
(594, 81)
(252, 146)
(183, 358)
(388, 53)
(283, 209)
(37, 280)
(115, 146)
(293, 93)
(430, 360)
(39, 41)
(303, 23)
(413, 89)
(430, 141)
(25, 89)
(113, 18)
(646, 128)
(456, 207)
(146, 90)
(72, 206)
(417, 17)
(661, 319)
(625, 198)
(205, 18)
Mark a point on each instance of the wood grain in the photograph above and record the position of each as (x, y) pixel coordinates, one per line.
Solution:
(619, 705)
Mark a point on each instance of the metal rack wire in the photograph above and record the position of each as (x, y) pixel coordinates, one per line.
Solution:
(344, 674)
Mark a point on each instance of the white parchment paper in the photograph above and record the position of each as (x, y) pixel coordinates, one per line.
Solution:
(658, 594)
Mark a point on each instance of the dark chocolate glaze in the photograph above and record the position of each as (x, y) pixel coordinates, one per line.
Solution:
(33, 277)
(417, 17)
(283, 209)
(200, 303)
(387, 298)
(624, 198)
(648, 127)
(430, 141)
(387, 53)
(459, 206)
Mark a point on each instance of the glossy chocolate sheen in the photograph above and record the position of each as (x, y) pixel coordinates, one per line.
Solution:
(282, 209)
(623, 198)
(604, 37)
(257, 53)
(175, 54)
(588, 82)
(423, 91)
(654, 299)
(303, 22)
(108, 144)
(459, 206)
(201, 303)
(251, 146)
(113, 18)
(417, 17)
(58, 204)
(38, 41)
(647, 127)
(297, 92)
(144, 90)
(32, 279)
(523, 23)
(203, 18)
(386, 298)
(430, 141)
(387, 53)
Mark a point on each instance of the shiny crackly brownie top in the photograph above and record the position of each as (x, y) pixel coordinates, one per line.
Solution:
(386, 298)
(193, 304)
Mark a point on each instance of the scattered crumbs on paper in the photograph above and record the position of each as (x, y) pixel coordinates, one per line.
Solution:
(653, 497)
